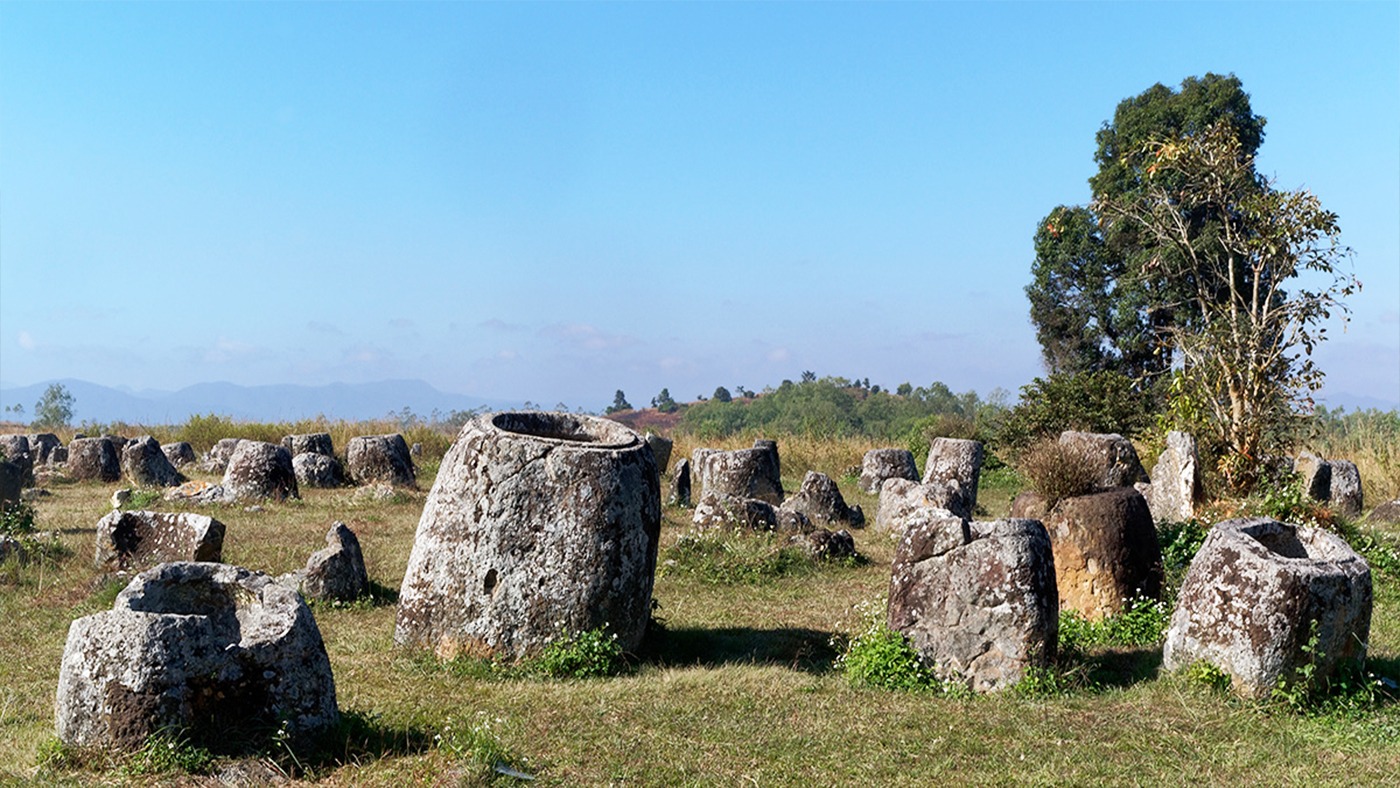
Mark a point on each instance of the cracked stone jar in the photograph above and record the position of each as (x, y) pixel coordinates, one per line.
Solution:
(539, 526)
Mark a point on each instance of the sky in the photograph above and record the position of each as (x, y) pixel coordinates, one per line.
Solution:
(551, 202)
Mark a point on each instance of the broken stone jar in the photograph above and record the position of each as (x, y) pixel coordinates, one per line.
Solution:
(539, 526)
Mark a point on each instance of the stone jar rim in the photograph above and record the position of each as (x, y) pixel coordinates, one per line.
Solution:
(577, 430)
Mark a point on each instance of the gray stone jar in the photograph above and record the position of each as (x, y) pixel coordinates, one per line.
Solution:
(539, 526)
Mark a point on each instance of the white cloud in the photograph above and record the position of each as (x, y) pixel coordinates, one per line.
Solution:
(26, 341)
(779, 354)
(583, 336)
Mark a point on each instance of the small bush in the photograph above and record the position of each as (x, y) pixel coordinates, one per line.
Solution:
(879, 657)
(592, 654)
(1143, 622)
(1057, 470)
(1207, 675)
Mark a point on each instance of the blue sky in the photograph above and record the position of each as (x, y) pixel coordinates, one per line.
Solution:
(551, 202)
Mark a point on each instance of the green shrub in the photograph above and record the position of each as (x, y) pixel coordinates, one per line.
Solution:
(1102, 401)
(168, 752)
(1207, 675)
(880, 657)
(1143, 622)
(591, 654)
(16, 519)
(734, 558)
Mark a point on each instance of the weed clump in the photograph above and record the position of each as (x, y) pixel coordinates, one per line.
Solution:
(735, 558)
(1058, 470)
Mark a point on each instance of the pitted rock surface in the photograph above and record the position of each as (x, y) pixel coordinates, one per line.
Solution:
(1345, 495)
(680, 484)
(1387, 513)
(213, 650)
(955, 460)
(881, 464)
(16, 450)
(309, 443)
(180, 453)
(1257, 592)
(317, 470)
(820, 500)
(750, 514)
(825, 545)
(259, 470)
(661, 447)
(1106, 552)
(146, 465)
(337, 571)
(900, 497)
(199, 492)
(1030, 505)
(41, 445)
(380, 458)
(540, 525)
(976, 600)
(93, 459)
(1316, 475)
(1176, 480)
(770, 446)
(742, 473)
(1113, 454)
(132, 541)
(216, 459)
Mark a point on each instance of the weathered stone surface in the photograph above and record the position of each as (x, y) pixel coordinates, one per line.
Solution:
(216, 459)
(976, 600)
(11, 481)
(824, 545)
(146, 465)
(59, 456)
(309, 443)
(93, 459)
(259, 470)
(374, 493)
(661, 447)
(820, 500)
(15, 449)
(1257, 592)
(881, 464)
(680, 483)
(723, 511)
(900, 497)
(1387, 513)
(1316, 476)
(742, 473)
(1176, 480)
(41, 445)
(121, 497)
(180, 453)
(138, 540)
(772, 447)
(1345, 495)
(197, 492)
(380, 458)
(1029, 505)
(336, 571)
(1106, 551)
(317, 470)
(216, 651)
(955, 460)
(540, 525)
(1114, 455)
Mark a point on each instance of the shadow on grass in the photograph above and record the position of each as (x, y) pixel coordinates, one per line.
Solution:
(802, 649)
(1121, 668)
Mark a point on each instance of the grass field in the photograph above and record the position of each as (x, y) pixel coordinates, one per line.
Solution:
(739, 689)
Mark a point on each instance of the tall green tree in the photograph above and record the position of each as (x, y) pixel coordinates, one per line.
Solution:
(1099, 299)
(55, 408)
(619, 403)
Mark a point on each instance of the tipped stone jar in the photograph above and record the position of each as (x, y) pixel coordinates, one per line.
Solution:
(539, 526)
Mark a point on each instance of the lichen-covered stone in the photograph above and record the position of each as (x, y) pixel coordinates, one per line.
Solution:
(1116, 459)
(15, 449)
(180, 453)
(750, 514)
(309, 443)
(742, 473)
(317, 470)
(1176, 480)
(1387, 513)
(539, 526)
(901, 497)
(1106, 551)
(93, 459)
(680, 484)
(1316, 474)
(380, 458)
(259, 470)
(336, 571)
(11, 481)
(820, 500)
(825, 545)
(41, 445)
(132, 541)
(955, 460)
(1345, 496)
(199, 492)
(976, 600)
(216, 459)
(661, 447)
(146, 465)
(1264, 598)
(214, 651)
(881, 464)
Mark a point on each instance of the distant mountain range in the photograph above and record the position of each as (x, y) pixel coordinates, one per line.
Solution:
(351, 401)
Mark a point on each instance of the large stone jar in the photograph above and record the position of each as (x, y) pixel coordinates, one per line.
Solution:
(1263, 598)
(539, 526)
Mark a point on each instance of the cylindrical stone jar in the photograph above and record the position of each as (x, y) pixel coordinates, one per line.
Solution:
(539, 526)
